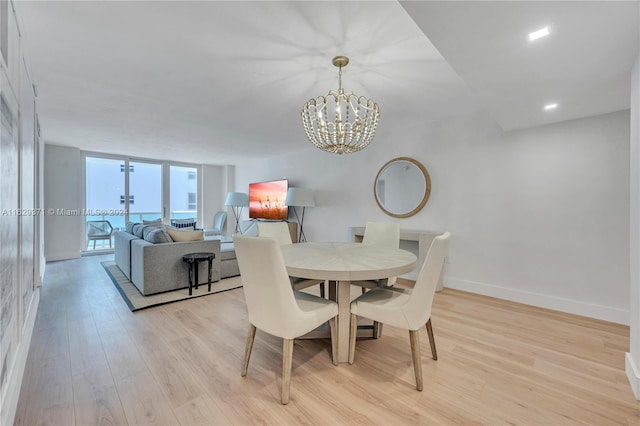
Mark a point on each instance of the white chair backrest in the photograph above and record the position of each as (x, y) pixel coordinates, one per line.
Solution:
(218, 220)
(382, 233)
(418, 308)
(270, 301)
(277, 230)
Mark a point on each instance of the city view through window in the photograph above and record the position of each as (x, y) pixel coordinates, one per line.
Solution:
(108, 200)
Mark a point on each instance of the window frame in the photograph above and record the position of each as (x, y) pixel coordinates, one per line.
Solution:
(166, 183)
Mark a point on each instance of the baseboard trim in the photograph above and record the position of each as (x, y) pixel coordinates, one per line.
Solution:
(605, 313)
(63, 256)
(10, 402)
(633, 374)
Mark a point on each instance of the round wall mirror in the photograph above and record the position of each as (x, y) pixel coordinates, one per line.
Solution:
(402, 187)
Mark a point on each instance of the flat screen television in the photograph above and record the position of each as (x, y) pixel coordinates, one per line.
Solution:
(266, 200)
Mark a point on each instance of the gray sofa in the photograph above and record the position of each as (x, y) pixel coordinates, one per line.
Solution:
(228, 261)
(155, 268)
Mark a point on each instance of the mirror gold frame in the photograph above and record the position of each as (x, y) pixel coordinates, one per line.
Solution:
(425, 196)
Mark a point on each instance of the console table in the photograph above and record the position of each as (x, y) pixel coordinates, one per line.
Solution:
(423, 238)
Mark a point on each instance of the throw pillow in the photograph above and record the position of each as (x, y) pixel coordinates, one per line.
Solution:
(138, 228)
(188, 228)
(129, 227)
(156, 235)
(156, 223)
(179, 235)
(183, 223)
(146, 230)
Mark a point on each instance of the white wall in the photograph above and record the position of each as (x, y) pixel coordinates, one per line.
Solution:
(63, 188)
(632, 364)
(539, 216)
(212, 194)
(19, 173)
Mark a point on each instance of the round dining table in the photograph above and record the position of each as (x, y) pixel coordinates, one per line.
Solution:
(344, 263)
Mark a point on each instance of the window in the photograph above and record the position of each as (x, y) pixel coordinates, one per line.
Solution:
(156, 190)
(146, 186)
(183, 192)
(104, 199)
(4, 31)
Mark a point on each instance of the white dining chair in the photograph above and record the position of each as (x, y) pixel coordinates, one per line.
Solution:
(277, 230)
(380, 233)
(280, 231)
(406, 309)
(274, 307)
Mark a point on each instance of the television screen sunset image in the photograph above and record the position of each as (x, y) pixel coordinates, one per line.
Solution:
(266, 200)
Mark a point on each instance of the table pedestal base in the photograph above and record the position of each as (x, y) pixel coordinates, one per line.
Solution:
(324, 332)
(343, 297)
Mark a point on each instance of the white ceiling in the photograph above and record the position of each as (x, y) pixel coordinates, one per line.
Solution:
(584, 65)
(217, 82)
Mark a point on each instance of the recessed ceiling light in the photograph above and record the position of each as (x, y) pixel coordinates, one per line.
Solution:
(547, 107)
(542, 32)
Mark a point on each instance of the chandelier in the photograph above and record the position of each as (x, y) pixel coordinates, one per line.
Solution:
(340, 122)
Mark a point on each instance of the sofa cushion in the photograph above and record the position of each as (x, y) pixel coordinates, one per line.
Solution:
(179, 235)
(156, 235)
(138, 229)
(156, 223)
(129, 227)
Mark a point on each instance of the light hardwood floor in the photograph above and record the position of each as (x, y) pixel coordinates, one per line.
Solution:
(94, 362)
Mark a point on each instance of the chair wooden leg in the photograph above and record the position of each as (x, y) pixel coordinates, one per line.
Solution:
(432, 341)
(353, 333)
(247, 350)
(415, 355)
(287, 356)
(333, 323)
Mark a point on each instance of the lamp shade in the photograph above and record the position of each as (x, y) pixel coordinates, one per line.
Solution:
(237, 199)
(300, 197)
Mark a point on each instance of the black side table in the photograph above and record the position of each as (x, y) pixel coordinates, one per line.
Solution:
(192, 260)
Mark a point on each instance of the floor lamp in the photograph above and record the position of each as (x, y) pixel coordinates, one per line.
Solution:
(237, 200)
(300, 197)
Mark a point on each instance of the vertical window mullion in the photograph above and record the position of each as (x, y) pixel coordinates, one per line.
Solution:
(166, 190)
(126, 191)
